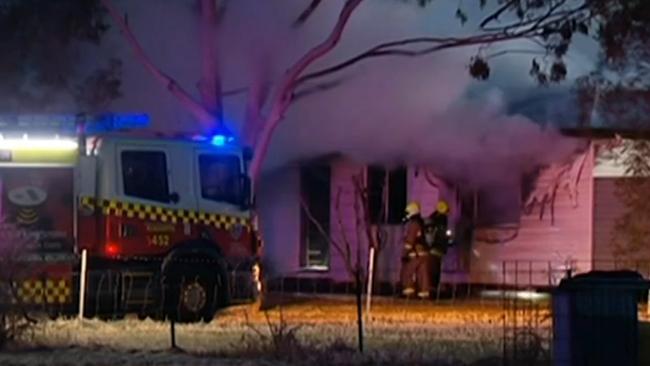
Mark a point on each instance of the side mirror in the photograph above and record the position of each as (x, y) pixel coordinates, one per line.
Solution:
(174, 197)
(245, 201)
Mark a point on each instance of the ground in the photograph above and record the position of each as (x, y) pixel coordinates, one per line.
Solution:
(457, 333)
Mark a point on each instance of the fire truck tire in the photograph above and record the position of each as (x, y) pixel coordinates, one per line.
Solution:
(190, 293)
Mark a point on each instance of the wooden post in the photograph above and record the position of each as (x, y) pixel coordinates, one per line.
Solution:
(359, 291)
(82, 283)
(371, 271)
(172, 330)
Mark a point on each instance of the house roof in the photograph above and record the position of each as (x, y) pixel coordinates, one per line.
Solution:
(605, 133)
(318, 159)
(558, 108)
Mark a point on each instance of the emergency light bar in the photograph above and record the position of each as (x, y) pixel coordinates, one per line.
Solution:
(221, 137)
(25, 143)
(68, 124)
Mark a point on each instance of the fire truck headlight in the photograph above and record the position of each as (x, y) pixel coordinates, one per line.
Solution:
(256, 277)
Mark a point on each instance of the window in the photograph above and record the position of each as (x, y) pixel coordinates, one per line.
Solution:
(144, 174)
(220, 177)
(499, 205)
(315, 188)
(387, 194)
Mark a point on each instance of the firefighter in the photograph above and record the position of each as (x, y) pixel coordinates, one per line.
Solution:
(415, 263)
(438, 238)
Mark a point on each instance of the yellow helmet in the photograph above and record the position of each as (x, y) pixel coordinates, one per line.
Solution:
(412, 209)
(442, 207)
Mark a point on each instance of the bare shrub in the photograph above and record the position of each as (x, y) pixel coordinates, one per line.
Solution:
(280, 340)
(14, 319)
(14, 325)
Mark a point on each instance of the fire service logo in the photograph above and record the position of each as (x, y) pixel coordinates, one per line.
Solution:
(27, 200)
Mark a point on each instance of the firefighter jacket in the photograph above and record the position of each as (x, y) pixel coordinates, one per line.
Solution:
(437, 232)
(413, 238)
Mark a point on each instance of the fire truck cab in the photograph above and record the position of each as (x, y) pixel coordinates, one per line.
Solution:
(164, 226)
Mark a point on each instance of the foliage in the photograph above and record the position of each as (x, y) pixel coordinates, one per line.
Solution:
(617, 95)
(40, 37)
(619, 26)
(632, 229)
(100, 88)
(39, 40)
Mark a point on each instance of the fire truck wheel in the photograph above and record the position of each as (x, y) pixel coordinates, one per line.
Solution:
(190, 294)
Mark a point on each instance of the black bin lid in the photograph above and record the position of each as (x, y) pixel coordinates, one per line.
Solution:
(615, 280)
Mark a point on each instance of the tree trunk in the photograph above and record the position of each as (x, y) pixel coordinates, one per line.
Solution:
(210, 84)
(186, 100)
(286, 87)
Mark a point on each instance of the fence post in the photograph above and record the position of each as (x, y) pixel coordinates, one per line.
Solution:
(371, 270)
(359, 291)
(82, 283)
(172, 330)
(647, 309)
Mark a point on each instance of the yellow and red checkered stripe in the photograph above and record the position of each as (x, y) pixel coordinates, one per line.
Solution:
(48, 291)
(162, 214)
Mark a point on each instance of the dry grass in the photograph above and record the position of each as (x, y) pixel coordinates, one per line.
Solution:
(321, 332)
(14, 326)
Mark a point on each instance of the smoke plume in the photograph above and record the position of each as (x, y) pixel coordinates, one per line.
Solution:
(419, 111)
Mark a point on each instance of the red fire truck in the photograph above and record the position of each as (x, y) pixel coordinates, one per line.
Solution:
(163, 225)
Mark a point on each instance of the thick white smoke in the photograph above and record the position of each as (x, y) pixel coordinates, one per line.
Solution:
(394, 110)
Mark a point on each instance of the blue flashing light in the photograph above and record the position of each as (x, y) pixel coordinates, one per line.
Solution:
(221, 136)
(218, 140)
(199, 138)
(112, 122)
(67, 124)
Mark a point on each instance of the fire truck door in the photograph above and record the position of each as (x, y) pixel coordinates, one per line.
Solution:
(218, 184)
(156, 175)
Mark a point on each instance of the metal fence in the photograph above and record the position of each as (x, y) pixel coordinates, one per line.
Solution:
(522, 296)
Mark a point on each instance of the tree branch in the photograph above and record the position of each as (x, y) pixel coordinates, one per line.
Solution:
(388, 49)
(358, 224)
(199, 112)
(210, 84)
(495, 16)
(314, 89)
(304, 16)
(283, 97)
(550, 17)
(529, 29)
(257, 95)
(339, 218)
(515, 52)
(235, 92)
(337, 246)
(361, 193)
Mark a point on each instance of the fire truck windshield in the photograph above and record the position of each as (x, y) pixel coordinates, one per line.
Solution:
(220, 178)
